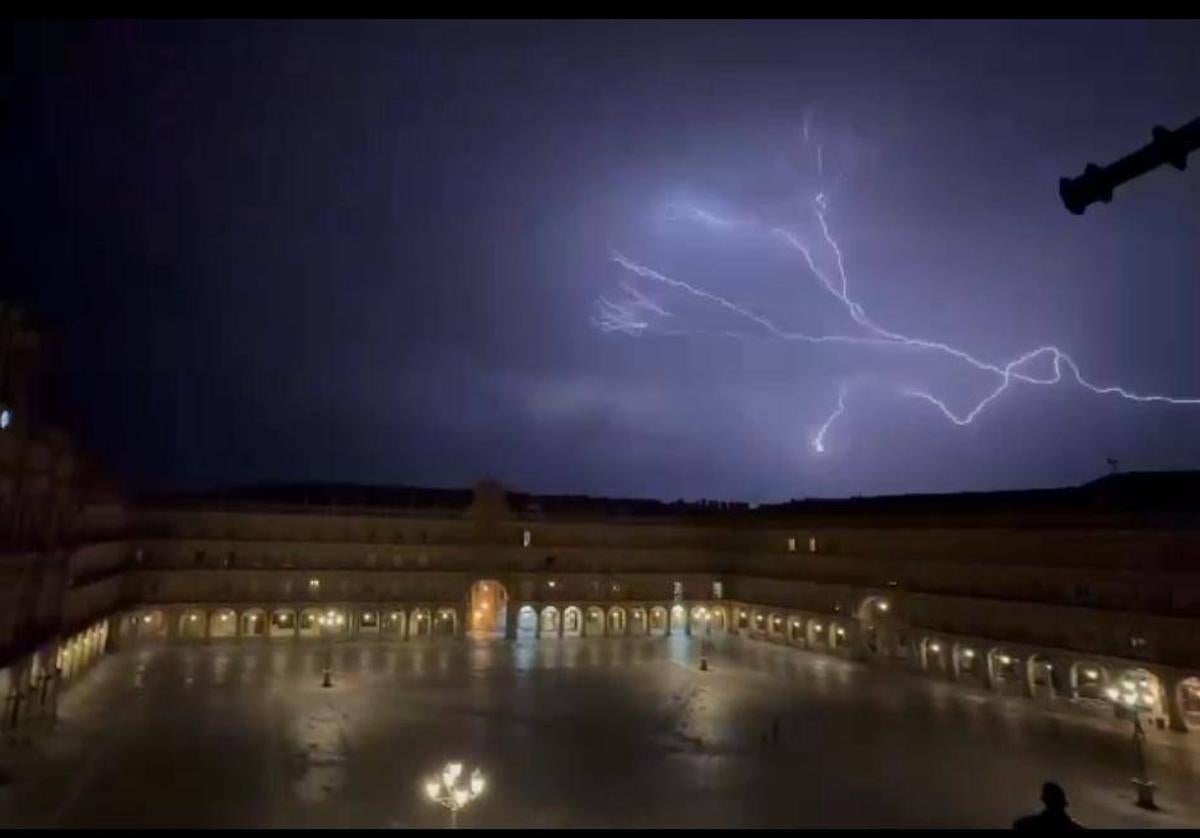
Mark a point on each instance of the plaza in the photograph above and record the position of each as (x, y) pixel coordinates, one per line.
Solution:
(570, 732)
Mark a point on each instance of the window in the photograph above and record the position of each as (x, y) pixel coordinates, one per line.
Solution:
(397, 560)
(423, 560)
(677, 590)
(791, 545)
(199, 557)
(314, 586)
(812, 545)
(549, 561)
(718, 590)
(370, 560)
(526, 538)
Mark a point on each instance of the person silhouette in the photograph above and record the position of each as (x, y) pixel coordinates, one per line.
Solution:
(1054, 817)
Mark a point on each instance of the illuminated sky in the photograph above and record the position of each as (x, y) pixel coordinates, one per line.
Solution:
(378, 252)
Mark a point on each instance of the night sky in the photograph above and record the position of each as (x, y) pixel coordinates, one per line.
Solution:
(396, 253)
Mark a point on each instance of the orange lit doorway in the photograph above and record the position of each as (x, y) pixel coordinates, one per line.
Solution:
(489, 608)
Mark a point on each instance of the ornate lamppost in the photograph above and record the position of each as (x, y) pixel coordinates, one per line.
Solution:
(446, 790)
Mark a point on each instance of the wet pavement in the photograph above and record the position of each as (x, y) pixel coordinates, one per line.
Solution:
(575, 732)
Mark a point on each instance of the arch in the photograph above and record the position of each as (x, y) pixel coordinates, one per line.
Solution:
(549, 622)
(222, 623)
(310, 623)
(741, 620)
(934, 654)
(445, 622)
(718, 622)
(1187, 702)
(1086, 679)
(488, 603)
(817, 633)
(572, 621)
(335, 624)
(966, 663)
(393, 622)
(678, 617)
(253, 623)
(1140, 686)
(420, 623)
(594, 625)
(795, 630)
(283, 623)
(368, 622)
(775, 628)
(637, 621)
(758, 622)
(1004, 669)
(150, 624)
(193, 623)
(839, 636)
(658, 620)
(527, 622)
(1039, 676)
(616, 621)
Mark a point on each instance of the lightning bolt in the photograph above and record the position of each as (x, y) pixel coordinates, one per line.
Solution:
(818, 442)
(625, 317)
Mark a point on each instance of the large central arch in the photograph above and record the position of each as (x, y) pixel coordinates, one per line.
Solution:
(487, 614)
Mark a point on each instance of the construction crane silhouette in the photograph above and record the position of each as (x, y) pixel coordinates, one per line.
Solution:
(1098, 182)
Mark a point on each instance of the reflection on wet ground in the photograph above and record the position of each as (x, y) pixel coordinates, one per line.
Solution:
(573, 732)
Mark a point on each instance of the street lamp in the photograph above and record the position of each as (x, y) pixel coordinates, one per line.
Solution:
(1132, 699)
(446, 790)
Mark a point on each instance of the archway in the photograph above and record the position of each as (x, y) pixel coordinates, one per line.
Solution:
(658, 620)
(549, 622)
(488, 608)
(968, 666)
(933, 656)
(817, 634)
(775, 626)
(637, 621)
(572, 621)
(877, 624)
(716, 620)
(758, 622)
(594, 627)
(796, 630)
(1039, 677)
(192, 623)
(1187, 701)
(678, 619)
(1088, 680)
(1004, 671)
(527, 622)
(838, 636)
(310, 623)
(149, 625)
(393, 622)
(254, 623)
(368, 622)
(616, 621)
(283, 623)
(420, 624)
(1140, 686)
(445, 623)
(222, 623)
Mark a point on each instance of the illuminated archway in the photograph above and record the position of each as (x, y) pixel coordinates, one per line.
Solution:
(616, 621)
(637, 621)
(222, 623)
(253, 623)
(658, 620)
(572, 621)
(594, 627)
(549, 622)
(488, 612)
(192, 624)
(283, 623)
(527, 622)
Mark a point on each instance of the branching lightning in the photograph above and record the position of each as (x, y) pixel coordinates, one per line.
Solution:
(630, 316)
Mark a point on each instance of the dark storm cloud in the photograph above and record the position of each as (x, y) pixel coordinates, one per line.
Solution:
(372, 251)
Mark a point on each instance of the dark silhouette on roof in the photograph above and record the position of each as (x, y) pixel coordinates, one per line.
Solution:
(1098, 182)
